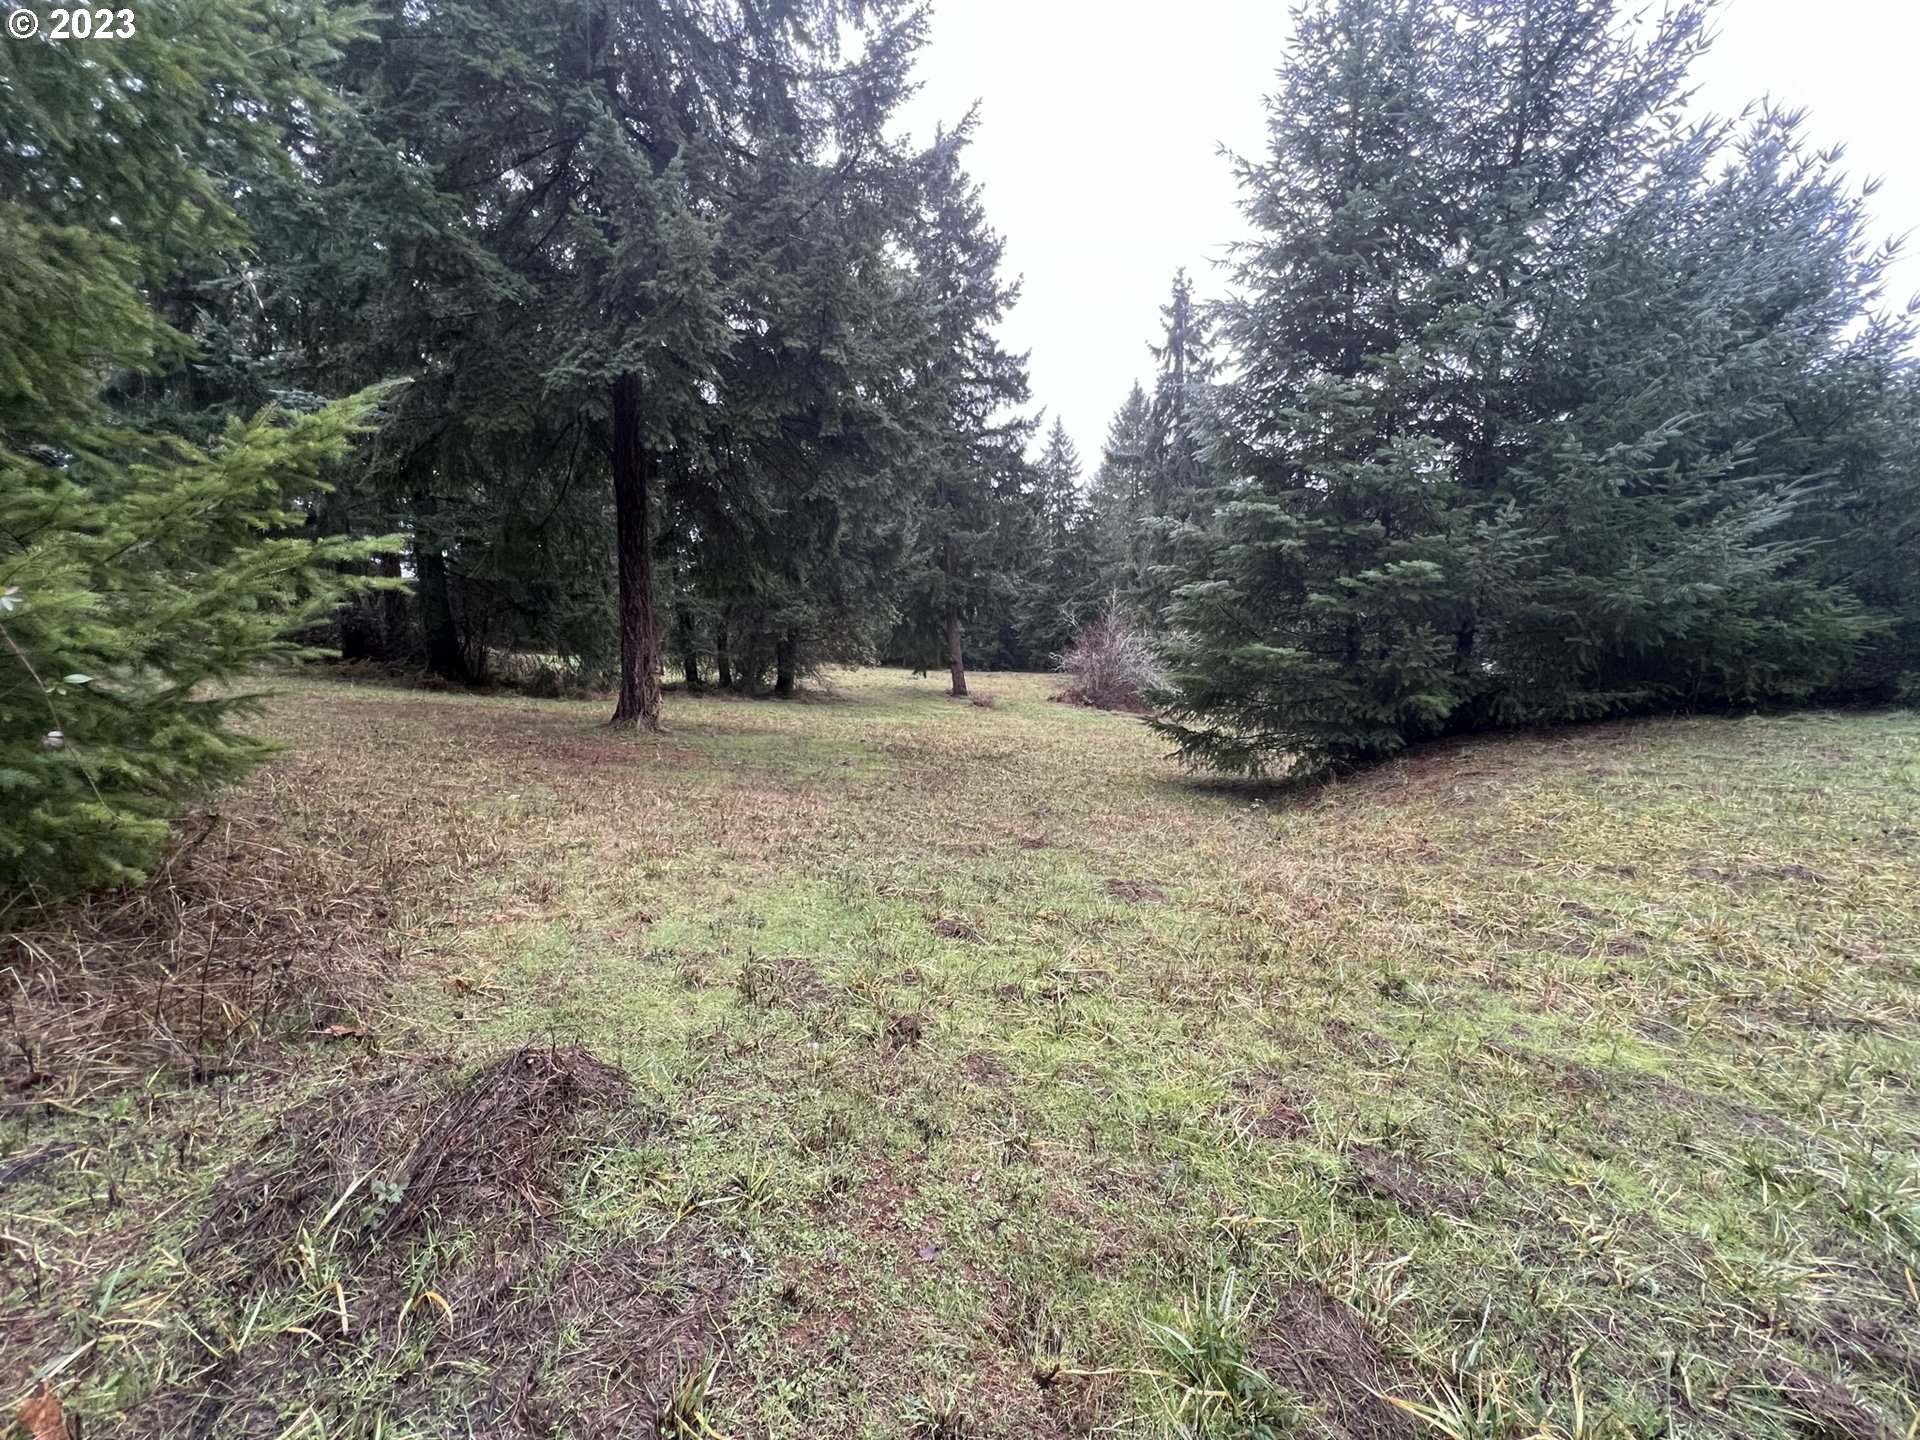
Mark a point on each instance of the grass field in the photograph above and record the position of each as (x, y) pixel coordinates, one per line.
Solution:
(885, 1065)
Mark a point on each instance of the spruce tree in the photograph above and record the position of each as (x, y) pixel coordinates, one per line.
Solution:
(1062, 589)
(138, 570)
(1119, 500)
(974, 522)
(1182, 404)
(1512, 435)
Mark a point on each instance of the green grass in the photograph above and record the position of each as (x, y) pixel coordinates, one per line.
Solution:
(1549, 1084)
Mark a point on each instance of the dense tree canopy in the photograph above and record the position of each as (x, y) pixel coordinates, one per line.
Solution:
(1543, 394)
(1534, 397)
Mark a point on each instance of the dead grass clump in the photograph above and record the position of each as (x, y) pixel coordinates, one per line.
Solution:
(1863, 1338)
(953, 927)
(1319, 1348)
(242, 931)
(399, 1243)
(1822, 1408)
(790, 980)
(1136, 892)
(1112, 665)
(482, 1155)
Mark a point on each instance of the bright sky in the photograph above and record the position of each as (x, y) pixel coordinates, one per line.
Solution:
(1101, 123)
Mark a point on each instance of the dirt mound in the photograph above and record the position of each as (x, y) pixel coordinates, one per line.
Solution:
(399, 1239)
(1380, 1175)
(1317, 1347)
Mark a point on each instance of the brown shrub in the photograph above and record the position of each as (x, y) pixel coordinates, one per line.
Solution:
(1112, 665)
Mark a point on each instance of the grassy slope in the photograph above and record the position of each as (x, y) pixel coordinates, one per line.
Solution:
(1558, 1080)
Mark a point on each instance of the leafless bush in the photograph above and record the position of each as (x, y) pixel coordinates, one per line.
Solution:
(1112, 665)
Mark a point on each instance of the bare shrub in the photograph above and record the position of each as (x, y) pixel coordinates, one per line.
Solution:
(1112, 665)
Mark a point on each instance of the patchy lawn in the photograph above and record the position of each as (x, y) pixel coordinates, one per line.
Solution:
(884, 1065)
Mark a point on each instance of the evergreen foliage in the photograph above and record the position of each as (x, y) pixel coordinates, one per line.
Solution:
(139, 573)
(1528, 371)
(975, 514)
(1061, 591)
(1119, 501)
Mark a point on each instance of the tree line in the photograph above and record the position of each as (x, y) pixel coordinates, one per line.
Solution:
(633, 338)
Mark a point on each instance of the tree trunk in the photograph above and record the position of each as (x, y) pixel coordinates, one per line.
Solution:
(720, 659)
(391, 609)
(689, 649)
(783, 665)
(639, 704)
(445, 655)
(955, 658)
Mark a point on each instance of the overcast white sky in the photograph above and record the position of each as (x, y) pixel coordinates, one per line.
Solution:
(1101, 123)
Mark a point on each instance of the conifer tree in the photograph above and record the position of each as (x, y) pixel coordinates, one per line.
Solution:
(1182, 403)
(1515, 365)
(1062, 589)
(1119, 500)
(973, 520)
(138, 569)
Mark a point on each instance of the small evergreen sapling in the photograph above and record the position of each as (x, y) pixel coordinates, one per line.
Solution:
(129, 604)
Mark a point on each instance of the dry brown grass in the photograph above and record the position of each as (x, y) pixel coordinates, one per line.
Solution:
(245, 931)
(1555, 1084)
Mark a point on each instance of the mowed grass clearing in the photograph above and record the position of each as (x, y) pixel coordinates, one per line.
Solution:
(986, 1074)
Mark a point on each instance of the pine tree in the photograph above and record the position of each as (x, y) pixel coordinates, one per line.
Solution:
(137, 569)
(1514, 365)
(974, 522)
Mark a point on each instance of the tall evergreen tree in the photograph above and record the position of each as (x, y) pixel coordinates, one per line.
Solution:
(1120, 498)
(1182, 402)
(581, 265)
(138, 570)
(1062, 588)
(973, 522)
(1510, 368)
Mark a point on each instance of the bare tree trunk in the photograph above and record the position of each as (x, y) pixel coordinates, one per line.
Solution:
(689, 648)
(956, 661)
(446, 657)
(639, 704)
(720, 658)
(783, 665)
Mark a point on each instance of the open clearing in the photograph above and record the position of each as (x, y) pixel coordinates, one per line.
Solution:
(885, 1065)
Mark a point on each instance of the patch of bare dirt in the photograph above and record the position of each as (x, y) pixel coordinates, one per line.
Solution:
(953, 927)
(1319, 1348)
(1274, 1118)
(1861, 1338)
(984, 1070)
(1136, 892)
(1403, 1182)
